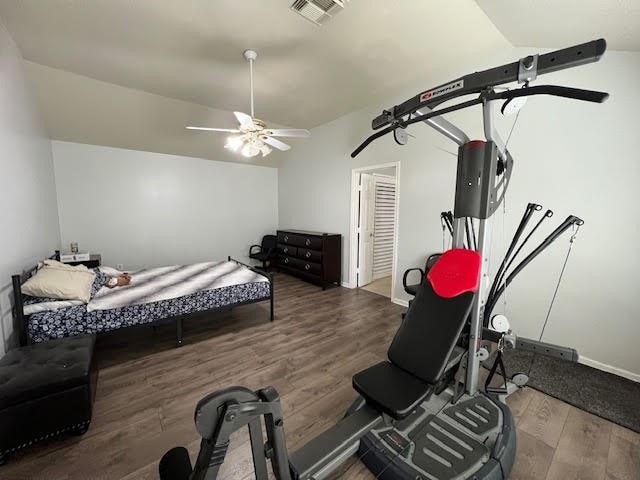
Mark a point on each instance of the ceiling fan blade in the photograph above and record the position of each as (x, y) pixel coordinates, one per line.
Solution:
(230, 130)
(289, 132)
(246, 122)
(275, 143)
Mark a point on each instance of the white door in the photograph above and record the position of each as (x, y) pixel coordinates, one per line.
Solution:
(366, 229)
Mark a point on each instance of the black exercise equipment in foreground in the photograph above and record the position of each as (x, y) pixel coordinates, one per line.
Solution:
(409, 422)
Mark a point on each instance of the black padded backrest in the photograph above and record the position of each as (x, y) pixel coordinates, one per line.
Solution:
(428, 333)
(431, 260)
(269, 241)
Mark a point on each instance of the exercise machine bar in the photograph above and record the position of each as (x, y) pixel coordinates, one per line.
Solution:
(476, 82)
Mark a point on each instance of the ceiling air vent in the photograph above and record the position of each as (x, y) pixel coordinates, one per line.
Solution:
(317, 11)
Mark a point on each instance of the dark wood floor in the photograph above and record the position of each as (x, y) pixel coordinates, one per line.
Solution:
(147, 392)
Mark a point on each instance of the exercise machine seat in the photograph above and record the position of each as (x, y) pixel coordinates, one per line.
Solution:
(422, 346)
(390, 389)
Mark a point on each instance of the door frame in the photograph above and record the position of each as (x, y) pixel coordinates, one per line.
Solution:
(353, 230)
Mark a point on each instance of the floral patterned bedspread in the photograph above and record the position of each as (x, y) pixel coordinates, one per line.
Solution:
(76, 320)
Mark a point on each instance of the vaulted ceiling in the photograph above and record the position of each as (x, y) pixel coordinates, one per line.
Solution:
(556, 23)
(133, 73)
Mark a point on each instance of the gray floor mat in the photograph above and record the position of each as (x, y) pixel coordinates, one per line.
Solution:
(609, 396)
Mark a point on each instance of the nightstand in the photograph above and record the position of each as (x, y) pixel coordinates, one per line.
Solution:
(93, 262)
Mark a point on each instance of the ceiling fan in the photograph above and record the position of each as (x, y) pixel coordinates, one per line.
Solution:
(253, 136)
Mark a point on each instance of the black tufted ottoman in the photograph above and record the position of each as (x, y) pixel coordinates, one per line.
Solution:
(46, 389)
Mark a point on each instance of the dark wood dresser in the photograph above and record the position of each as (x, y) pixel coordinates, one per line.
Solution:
(312, 256)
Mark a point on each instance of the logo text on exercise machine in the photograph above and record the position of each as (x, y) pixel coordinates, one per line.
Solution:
(444, 89)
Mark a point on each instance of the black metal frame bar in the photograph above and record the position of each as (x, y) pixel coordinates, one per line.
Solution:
(478, 81)
(22, 320)
(18, 307)
(484, 82)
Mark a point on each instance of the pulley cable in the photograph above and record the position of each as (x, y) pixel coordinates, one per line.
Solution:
(555, 293)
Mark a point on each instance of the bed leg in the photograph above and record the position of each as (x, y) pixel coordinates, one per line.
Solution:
(271, 295)
(178, 332)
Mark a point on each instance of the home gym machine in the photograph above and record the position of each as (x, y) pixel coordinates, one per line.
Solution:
(412, 420)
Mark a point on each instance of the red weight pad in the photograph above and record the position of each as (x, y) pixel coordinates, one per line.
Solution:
(456, 272)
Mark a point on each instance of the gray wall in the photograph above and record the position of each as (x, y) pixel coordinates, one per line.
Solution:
(572, 157)
(143, 209)
(29, 215)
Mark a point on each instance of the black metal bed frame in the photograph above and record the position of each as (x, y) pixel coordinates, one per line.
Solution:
(22, 319)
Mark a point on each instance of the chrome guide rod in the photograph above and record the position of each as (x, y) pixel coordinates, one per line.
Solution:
(477, 311)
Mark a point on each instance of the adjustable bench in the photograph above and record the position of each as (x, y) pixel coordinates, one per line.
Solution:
(424, 346)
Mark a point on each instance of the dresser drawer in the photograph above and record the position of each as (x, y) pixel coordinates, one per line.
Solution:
(310, 255)
(287, 250)
(289, 238)
(313, 243)
(311, 267)
(292, 262)
(302, 265)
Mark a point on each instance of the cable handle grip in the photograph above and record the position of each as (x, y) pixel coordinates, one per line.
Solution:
(554, 90)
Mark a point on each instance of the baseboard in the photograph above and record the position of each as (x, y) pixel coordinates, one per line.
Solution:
(399, 301)
(609, 368)
(347, 285)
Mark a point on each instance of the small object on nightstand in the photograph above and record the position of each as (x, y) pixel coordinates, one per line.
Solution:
(74, 247)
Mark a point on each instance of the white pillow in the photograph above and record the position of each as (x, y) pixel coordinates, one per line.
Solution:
(61, 281)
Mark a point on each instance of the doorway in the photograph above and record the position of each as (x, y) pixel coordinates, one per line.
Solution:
(374, 209)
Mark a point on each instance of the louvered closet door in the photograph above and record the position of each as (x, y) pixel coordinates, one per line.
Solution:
(385, 194)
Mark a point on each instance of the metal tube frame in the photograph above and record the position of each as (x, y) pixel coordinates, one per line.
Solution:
(477, 311)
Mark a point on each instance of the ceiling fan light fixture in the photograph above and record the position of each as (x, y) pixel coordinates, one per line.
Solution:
(266, 150)
(250, 150)
(234, 142)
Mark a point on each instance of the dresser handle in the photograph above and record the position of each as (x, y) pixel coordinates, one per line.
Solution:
(286, 260)
(286, 250)
(307, 266)
(308, 254)
(307, 242)
(286, 238)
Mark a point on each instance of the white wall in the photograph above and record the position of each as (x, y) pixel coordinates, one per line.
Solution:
(572, 157)
(28, 212)
(148, 209)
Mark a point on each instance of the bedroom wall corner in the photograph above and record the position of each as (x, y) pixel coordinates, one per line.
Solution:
(28, 211)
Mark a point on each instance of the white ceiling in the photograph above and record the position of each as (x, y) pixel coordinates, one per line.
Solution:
(131, 74)
(304, 76)
(559, 23)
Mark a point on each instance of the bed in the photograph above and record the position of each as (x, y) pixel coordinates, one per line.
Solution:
(193, 290)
